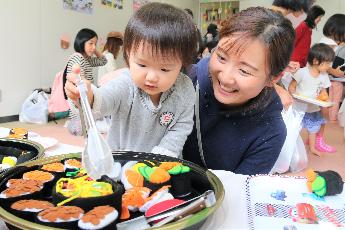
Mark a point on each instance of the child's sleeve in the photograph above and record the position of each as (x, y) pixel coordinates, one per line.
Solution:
(173, 141)
(98, 61)
(326, 83)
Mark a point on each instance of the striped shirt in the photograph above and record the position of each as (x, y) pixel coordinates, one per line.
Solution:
(86, 64)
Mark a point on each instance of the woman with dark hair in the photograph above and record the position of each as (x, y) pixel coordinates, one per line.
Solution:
(85, 51)
(295, 7)
(303, 35)
(238, 122)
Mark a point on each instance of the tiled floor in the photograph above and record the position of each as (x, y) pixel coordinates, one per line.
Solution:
(334, 136)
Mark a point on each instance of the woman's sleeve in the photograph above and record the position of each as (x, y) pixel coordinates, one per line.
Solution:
(98, 61)
(263, 154)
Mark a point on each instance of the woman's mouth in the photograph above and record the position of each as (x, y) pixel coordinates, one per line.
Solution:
(226, 90)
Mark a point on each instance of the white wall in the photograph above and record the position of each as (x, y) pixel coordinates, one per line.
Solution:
(30, 40)
(330, 6)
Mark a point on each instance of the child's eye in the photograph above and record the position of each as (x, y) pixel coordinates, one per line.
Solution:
(141, 65)
(165, 70)
(220, 58)
(245, 73)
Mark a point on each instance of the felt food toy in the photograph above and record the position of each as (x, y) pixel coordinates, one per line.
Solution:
(132, 200)
(18, 133)
(155, 177)
(8, 162)
(27, 209)
(38, 175)
(160, 195)
(327, 183)
(101, 217)
(323, 96)
(130, 177)
(22, 182)
(54, 167)
(61, 217)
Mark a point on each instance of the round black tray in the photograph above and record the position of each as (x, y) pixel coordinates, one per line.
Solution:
(15, 147)
(201, 180)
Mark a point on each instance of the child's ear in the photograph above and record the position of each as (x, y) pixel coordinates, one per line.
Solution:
(315, 62)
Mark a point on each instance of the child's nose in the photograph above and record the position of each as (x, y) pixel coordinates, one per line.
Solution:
(151, 76)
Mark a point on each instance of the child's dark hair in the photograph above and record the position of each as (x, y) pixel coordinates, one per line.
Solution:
(294, 5)
(321, 53)
(313, 13)
(168, 30)
(83, 36)
(271, 28)
(335, 28)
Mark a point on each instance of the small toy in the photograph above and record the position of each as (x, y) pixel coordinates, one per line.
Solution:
(327, 183)
(279, 195)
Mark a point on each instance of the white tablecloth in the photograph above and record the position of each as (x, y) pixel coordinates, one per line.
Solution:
(231, 215)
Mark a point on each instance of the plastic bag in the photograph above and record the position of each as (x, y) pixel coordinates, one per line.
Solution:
(35, 108)
(292, 119)
(299, 160)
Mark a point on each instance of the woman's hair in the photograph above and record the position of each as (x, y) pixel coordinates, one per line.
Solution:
(83, 36)
(321, 53)
(335, 28)
(113, 45)
(168, 30)
(271, 28)
(294, 5)
(313, 13)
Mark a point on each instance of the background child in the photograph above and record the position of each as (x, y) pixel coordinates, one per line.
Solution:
(311, 81)
(334, 29)
(85, 48)
(151, 103)
(111, 51)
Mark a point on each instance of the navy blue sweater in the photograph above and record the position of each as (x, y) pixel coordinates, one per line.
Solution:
(244, 140)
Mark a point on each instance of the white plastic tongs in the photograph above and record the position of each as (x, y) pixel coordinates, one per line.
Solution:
(97, 158)
(205, 200)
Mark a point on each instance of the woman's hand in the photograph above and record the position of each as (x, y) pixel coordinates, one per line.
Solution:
(71, 88)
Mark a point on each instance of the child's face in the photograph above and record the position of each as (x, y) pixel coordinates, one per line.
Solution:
(324, 66)
(90, 46)
(152, 73)
(237, 78)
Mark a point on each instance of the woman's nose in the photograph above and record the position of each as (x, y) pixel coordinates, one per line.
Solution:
(227, 75)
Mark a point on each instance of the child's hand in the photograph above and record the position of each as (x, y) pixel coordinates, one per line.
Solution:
(71, 89)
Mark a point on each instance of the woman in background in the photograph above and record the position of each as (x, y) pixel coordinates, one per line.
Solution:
(111, 51)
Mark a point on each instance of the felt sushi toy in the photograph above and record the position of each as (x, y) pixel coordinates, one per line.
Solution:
(130, 177)
(38, 175)
(159, 196)
(155, 177)
(61, 217)
(132, 200)
(28, 209)
(8, 162)
(327, 183)
(23, 182)
(180, 178)
(56, 167)
(101, 217)
(18, 133)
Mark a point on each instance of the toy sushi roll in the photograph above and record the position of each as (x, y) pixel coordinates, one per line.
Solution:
(19, 192)
(72, 165)
(46, 177)
(86, 193)
(101, 217)
(28, 209)
(18, 133)
(22, 182)
(155, 177)
(66, 217)
(160, 195)
(180, 178)
(56, 168)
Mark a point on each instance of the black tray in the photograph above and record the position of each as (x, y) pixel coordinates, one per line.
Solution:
(202, 180)
(15, 147)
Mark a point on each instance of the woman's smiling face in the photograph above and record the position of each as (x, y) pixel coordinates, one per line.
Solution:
(238, 77)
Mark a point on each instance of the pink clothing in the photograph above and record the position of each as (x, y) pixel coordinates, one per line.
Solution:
(335, 95)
